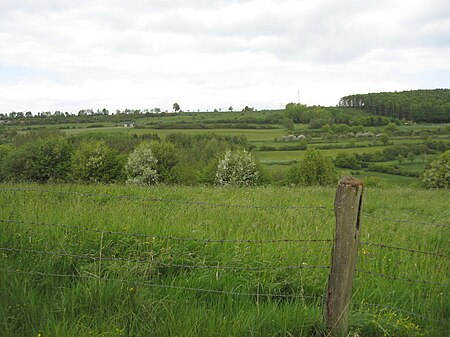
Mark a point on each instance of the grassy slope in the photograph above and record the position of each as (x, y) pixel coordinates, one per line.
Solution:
(62, 306)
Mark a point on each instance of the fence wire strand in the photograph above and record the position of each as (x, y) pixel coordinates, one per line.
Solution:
(155, 236)
(166, 286)
(409, 222)
(381, 245)
(168, 200)
(161, 237)
(211, 291)
(398, 278)
(157, 263)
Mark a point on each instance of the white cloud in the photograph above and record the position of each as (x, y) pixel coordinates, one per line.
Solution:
(65, 55)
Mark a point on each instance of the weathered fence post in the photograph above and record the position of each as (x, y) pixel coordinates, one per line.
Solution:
(347, 208)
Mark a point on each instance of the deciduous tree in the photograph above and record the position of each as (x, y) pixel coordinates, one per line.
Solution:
(315, 169)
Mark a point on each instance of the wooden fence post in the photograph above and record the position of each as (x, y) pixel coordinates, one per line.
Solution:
(347, 208)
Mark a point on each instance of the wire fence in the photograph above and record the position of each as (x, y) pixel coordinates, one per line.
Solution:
(217, 267)
(158, 263)
(157, 236)
(249, 241)
(165, 286)
(256, 295)
(415, 251)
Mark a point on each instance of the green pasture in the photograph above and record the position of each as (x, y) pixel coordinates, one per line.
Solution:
(287, 156)
(250, 134)
(180, 261)
(385, 180)
(205, 116)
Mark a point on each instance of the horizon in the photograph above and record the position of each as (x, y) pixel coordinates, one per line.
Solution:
(151, 110)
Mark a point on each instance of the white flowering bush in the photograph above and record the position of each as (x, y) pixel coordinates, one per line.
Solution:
(141, 166)
(95, 161)
(237, 168)
(438, 174)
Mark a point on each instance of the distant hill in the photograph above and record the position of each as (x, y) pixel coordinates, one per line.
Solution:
(417, 105)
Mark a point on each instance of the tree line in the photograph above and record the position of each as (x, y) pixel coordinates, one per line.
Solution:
(431, 106)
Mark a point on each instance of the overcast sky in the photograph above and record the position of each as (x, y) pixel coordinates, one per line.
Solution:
(75, 54)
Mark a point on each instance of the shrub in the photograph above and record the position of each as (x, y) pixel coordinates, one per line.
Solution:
(5, 150)
(41, 161)
(237, 168)
(390, 128)
(347, 160)
(94, 161)
(315, 169)
(316, 123)
(438, 174)
(52, 160)
(167, 157)
(141, 166)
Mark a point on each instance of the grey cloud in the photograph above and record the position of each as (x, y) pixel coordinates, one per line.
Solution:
(270, 41)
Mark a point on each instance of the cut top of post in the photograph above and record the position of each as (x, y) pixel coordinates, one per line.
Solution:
(350, 181)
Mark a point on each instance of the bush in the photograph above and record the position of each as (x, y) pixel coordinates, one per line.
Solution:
(167, 157)
(5, 150)
(315, 169)
(237, 168)
(141, 166)
(94, 161)
(316, 123)
(52, 160)
(438, 174)
(347, 160)
(41, 161)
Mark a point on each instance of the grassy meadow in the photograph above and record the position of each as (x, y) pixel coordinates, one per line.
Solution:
(94, 260)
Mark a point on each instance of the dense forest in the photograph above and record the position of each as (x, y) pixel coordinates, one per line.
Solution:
(417, 105)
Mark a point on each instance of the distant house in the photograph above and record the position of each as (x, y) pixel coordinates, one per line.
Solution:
(128, 124)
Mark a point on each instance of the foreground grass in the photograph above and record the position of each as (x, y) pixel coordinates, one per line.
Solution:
(121, 261)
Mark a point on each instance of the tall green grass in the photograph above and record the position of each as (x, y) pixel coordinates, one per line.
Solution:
(73, 274)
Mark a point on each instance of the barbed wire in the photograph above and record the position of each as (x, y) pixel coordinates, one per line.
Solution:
(166, 286)
(157, 263)
(155, 236)
(213, 267)
(187, 202)
(401, 278)
(381, 245)
(408, 221)
(162, 237)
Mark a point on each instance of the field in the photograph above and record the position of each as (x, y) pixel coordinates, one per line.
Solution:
(92, 260)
